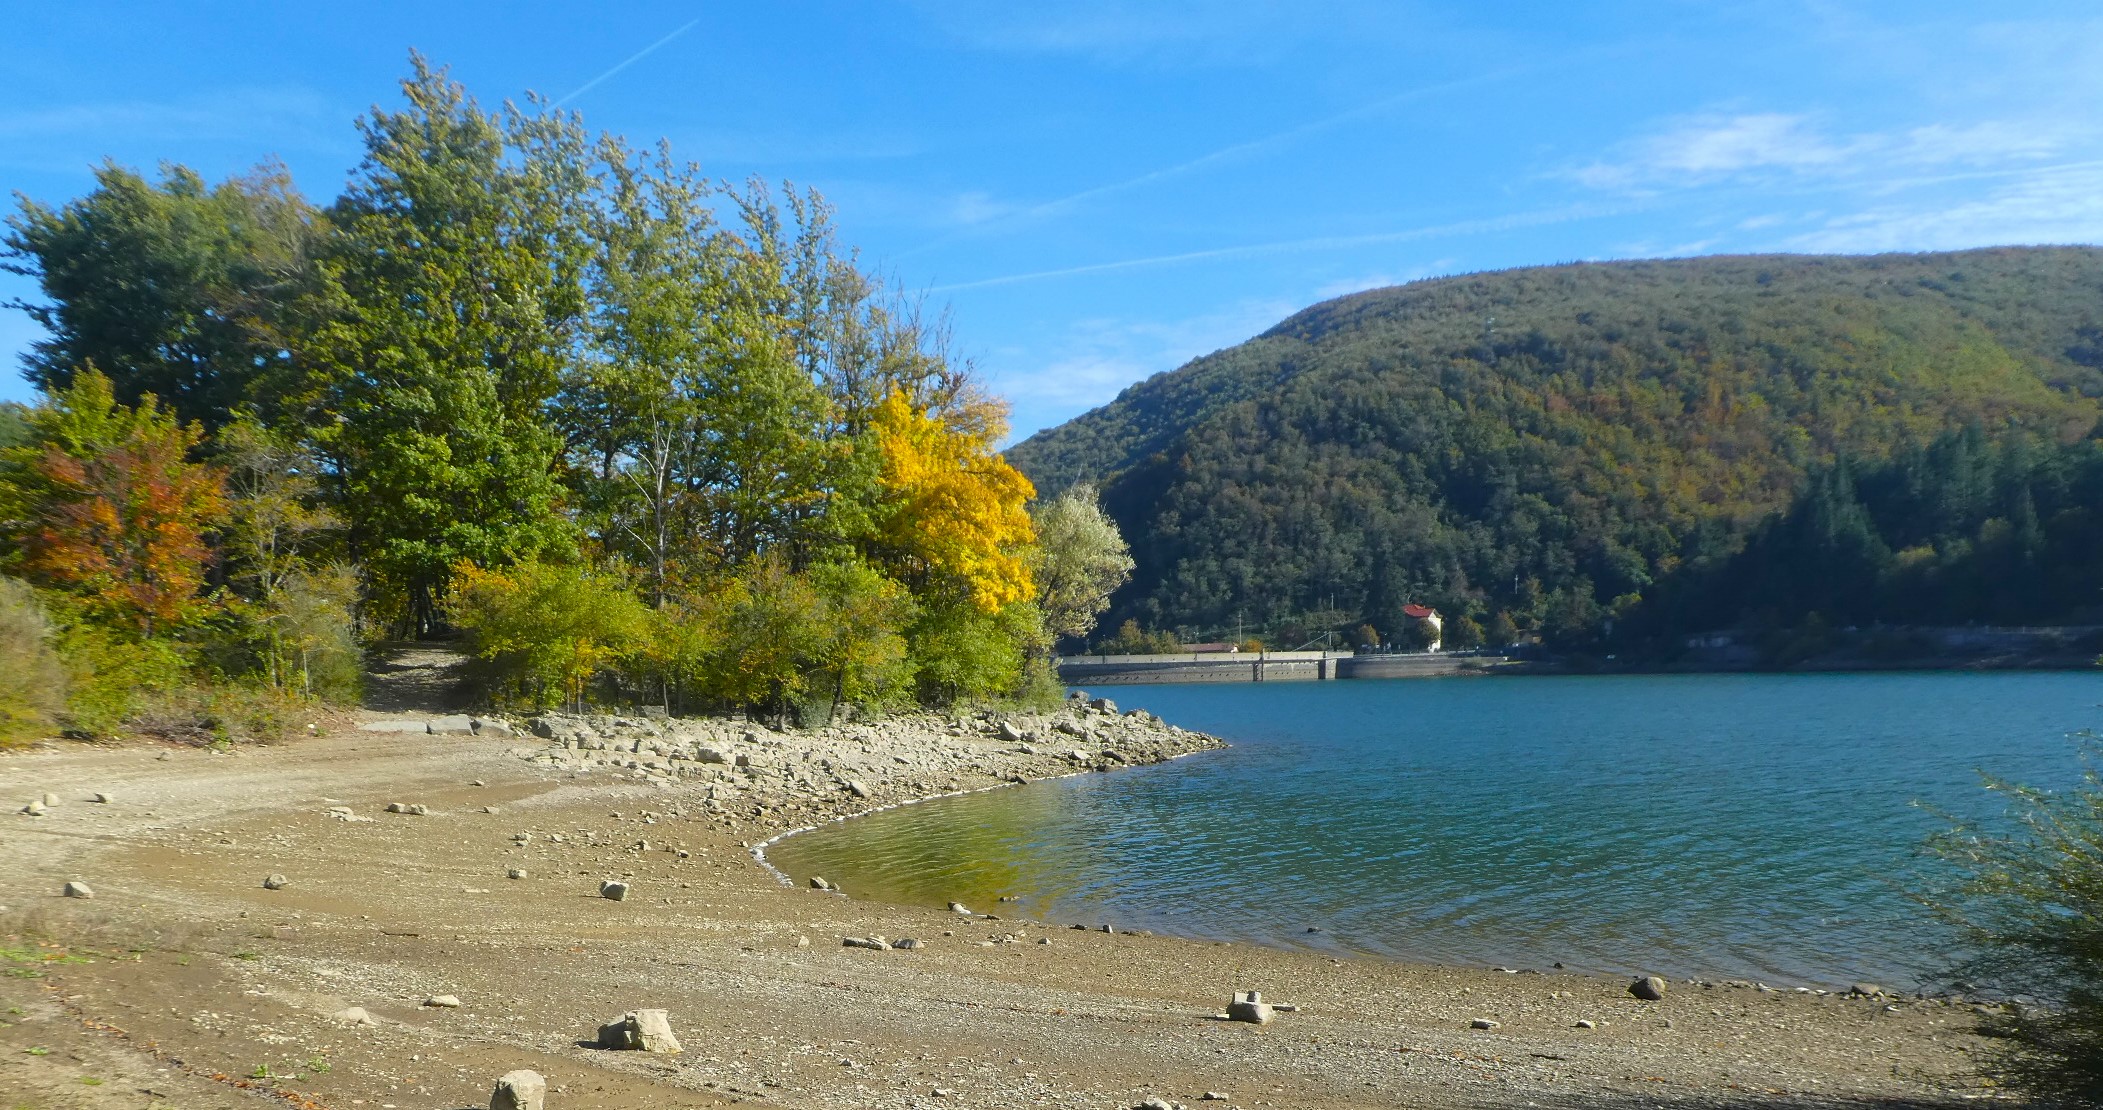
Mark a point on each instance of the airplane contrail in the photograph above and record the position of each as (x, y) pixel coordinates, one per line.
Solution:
(632, 59)
(1326, 242)
(1223, 154)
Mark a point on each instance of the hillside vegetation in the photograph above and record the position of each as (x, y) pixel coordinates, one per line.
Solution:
(1591, 448)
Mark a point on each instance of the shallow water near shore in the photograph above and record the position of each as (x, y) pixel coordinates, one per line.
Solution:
(1764, 826)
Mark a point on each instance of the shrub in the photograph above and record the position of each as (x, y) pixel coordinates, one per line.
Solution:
(545, 628)
(32, 678)
(963, 653)
(2030, 903)
(111, 677)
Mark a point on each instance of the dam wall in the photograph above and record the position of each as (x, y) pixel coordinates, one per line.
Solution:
(1262, 666)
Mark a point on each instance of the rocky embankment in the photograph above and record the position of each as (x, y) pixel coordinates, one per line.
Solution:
(748, 776)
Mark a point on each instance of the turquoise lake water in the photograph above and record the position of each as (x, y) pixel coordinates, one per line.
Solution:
(1762, 826)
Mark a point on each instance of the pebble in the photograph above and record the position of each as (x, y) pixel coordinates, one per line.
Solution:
(1482, 1023)
(50, 800)
(105, 799)
(515, 873)
(1584, 1023)
(77, 889)
(276, 882)
(909, 944)
(1650, 988)
(34, 809)
(874, 944)
(959, 907)
(614, 890)
(443, 1001)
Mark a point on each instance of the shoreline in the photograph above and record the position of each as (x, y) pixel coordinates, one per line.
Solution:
(384, 910)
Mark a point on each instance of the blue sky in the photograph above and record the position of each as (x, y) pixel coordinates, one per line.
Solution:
(1101, 192)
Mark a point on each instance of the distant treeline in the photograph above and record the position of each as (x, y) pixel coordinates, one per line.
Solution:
(640, 435)
(1611, 455)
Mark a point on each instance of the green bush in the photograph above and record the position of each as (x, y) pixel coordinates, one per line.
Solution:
(2029, 901)
(545, 629)
(112, 677)
(32, 678)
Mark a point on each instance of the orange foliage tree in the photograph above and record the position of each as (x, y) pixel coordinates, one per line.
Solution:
(952, 510)
(107, 506)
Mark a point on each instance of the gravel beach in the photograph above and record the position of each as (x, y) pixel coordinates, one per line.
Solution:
(448, 878)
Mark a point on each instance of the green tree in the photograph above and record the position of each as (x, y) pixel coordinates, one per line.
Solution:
(1080, 560)
(173, 288)
(455, 272)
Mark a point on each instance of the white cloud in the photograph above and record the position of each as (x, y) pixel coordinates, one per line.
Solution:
(1097, 358)
(1767, 146)
(2052, 204)
(232, 114)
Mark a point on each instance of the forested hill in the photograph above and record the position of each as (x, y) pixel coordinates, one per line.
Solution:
(1553, 447)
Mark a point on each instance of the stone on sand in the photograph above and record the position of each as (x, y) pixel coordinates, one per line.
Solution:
(614, 890)
(1650, 988)
(77, 889)
(1249, 1006)
(519, 1090)
(275, 882)
(639, 1031)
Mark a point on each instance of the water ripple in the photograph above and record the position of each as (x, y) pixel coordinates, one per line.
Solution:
(1756, 826)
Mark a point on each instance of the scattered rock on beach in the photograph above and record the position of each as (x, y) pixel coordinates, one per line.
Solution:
(443, 1001)
(1865, 990)
(77, 889)
(275, 882)
(1649, 988)
(515, 873)
(104, 798)
(34, 809)
(1482, 1023)
(519, 1090)
(640, 1031)
(614, 890)
(50, 800)
(1010, 733)
(909, 944)
(818, 883)
(1250, 1007)
(874, 944)
(959, 907)
(858, 788)
(355, 1015)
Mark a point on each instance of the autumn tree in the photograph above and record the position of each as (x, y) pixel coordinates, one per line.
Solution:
(952, 519)
(106, 504)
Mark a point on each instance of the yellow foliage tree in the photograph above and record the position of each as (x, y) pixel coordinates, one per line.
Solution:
(952, 508)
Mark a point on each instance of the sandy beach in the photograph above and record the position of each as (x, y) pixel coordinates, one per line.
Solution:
(184, 982)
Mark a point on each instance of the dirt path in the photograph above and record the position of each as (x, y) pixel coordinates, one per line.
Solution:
(417, 677)
(206, 973)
